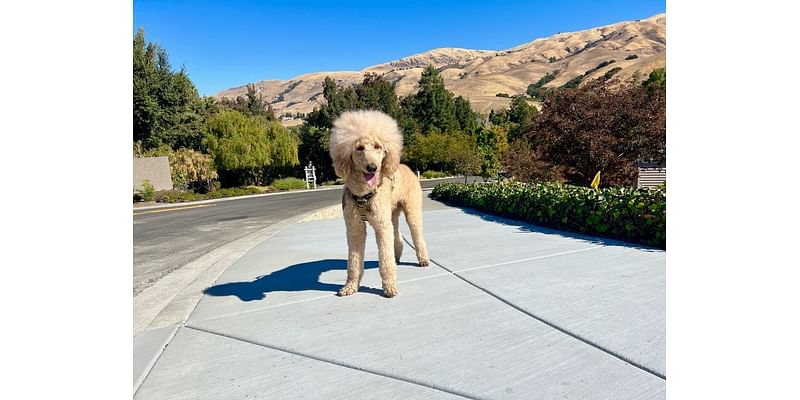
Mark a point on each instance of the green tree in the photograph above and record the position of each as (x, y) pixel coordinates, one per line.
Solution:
(433, 106)
(465, 157)
(499, 117)
(337, 101)
(467, 119)
(429, 151)
(244, 148)
(166, 106)
(252, 104)
(656, 80)
(520, 116)
(314, 148)
(492, 143)
(376, 93)
(535, 89)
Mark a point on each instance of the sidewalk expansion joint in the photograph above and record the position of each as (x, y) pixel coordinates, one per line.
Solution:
(338, 363)
(154, 360)
(542, 320)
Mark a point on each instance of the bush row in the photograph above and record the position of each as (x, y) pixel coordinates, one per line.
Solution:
(434, 174)
(633, 215)
(289, 183)
(177, 196)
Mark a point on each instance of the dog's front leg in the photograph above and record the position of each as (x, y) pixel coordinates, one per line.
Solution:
(384, 233)
(356, 240)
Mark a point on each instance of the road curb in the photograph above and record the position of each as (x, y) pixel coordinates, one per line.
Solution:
(190, 203)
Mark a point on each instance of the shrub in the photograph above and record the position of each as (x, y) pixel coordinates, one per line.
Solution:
(611, 72)
(433, 174)
(289, 183)
(573, 83)
(631, 57)
(232, 192)
(633, 215)
(534, 89)
(192, 169)
(603, 64)
(148, 191)
(178, 196)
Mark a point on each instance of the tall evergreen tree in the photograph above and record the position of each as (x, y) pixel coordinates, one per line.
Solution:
(467, 119)
(520, 115)
(166, 105)
(252, 103)
(433, 106)
(376, 93)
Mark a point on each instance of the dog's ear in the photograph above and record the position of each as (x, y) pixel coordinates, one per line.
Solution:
(342, 163)
(391, 160)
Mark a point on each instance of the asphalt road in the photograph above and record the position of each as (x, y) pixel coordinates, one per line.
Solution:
(165, 239)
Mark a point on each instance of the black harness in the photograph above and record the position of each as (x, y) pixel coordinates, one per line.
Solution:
(363, 202)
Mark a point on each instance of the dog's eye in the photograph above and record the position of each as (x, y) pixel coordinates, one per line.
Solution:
(360, 148)
(377, 147)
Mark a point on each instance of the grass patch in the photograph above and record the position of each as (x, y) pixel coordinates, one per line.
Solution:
(434, 174)
(179, 196)
(289, 184)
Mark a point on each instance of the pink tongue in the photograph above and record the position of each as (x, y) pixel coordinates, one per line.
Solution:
(372, 179)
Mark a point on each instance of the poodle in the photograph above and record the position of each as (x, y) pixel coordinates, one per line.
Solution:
(365, 147)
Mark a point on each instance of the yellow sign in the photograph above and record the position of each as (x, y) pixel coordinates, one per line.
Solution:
(596, 180)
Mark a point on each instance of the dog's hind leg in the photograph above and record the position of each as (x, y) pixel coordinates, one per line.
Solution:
(398, 240)
(356, 241)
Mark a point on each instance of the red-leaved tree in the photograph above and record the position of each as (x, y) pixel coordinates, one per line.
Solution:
(601, 128)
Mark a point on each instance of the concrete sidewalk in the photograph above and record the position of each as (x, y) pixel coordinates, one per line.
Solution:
(506, 311)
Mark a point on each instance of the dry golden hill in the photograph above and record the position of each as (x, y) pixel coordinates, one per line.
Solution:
(479, 75)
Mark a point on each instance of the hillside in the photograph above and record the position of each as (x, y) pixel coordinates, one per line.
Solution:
(480, 74)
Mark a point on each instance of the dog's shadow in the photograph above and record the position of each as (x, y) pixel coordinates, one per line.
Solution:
(294, 278)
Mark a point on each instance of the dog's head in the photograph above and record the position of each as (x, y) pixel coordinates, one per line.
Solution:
(365, 145)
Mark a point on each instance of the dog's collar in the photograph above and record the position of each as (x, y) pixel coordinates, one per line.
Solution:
(363, 201)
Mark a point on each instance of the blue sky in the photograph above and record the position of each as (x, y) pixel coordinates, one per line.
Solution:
(224, 44)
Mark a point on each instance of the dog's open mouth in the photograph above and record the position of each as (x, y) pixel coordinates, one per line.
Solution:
(371, 178)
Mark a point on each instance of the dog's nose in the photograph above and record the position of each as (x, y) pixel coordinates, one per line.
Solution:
(371, 167)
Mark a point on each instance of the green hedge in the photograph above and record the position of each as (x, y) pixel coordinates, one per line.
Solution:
(289, 183)
(434, 174)
(633, 215)
(176, 196)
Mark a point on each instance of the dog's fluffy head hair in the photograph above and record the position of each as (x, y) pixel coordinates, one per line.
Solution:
(353, 127)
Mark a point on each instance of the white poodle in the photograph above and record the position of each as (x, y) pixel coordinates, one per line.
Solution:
(366, 147)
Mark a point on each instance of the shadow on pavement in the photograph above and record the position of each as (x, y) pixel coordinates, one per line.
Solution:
(294, 278)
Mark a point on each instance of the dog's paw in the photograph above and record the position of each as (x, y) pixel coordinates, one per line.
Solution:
(347, 291)
(390, 291)
(423, 262)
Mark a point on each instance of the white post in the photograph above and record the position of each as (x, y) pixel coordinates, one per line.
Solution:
(311, 176)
